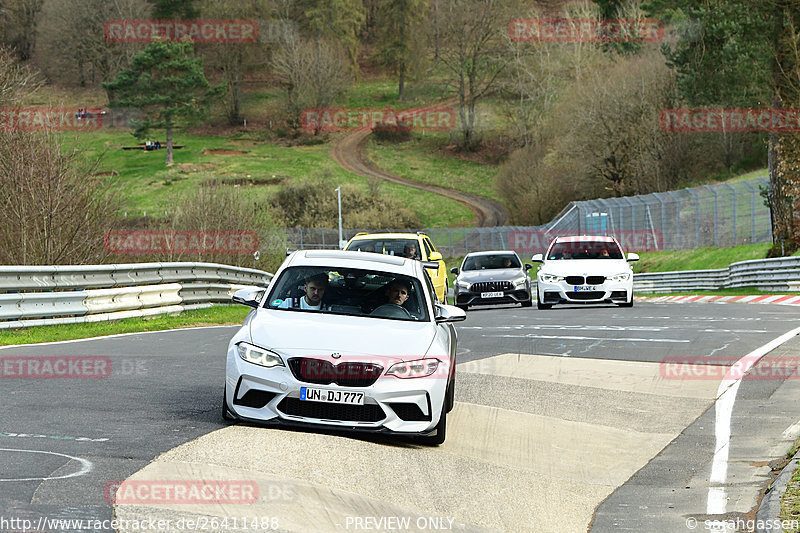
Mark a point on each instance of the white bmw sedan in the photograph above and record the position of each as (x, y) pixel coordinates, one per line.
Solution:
(348, 340)
(584, 269)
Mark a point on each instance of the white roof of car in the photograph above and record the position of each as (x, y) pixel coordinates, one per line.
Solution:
(346, 259)
(493, 252)
(585, 238)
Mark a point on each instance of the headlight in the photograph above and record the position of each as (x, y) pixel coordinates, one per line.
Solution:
(258, 356)
(551, 278)
(519, 282)
(414, 369)
(620, 277)
(462, 285)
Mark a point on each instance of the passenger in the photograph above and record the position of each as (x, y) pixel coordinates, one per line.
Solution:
(314, 287)
(507, 262)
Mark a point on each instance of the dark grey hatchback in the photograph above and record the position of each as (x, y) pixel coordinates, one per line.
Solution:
(496, 277)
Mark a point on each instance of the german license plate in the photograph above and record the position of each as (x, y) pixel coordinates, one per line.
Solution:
(492, 294)
(582, 288)
(331, 396)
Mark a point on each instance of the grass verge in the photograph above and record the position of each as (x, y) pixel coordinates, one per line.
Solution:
(219, 315)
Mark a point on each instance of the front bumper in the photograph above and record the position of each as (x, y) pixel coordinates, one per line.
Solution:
(512, 296)
(407, 406)
(607, 292)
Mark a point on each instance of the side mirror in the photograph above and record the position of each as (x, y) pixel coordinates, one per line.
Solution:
(435, 256)
(528, 266)
(538, 258)
(454, 270)
(250, 296)
(633, 257)
(448, 313)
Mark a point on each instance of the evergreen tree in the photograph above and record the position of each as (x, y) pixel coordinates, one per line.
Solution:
(167, 85)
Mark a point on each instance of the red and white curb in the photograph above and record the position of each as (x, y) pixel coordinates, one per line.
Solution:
(790, 299)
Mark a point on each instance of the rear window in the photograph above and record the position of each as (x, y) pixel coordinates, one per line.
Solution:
(584, 250)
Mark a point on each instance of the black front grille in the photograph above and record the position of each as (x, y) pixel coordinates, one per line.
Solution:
(574, 280)
(255, 398)
(491, 286)
(587, 295)
(331, 411)
(410, 412)
(347, 374)
(595, 280)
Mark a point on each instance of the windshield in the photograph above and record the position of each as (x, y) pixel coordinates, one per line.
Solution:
(487, 262)
(584, 250)
(400, 247)
(353, 292)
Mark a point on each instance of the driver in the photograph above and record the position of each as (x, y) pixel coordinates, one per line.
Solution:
(397, 292)
(314, 287)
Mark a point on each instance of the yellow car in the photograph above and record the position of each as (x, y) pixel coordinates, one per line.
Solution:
(412, 245)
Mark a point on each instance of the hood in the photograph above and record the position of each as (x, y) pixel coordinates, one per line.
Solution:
(493, 274)
(584, 267)
(309, 333)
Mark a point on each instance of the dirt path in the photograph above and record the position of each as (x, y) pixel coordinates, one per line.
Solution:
(350, 152)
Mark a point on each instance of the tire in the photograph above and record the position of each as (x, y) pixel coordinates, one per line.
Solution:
(450, 396)
(527, 303)
(226, 413)
(627, 304)
(463, 307)
(441, 429)
(540, 305)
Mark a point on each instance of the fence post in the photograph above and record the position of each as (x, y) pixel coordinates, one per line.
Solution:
(752, 212)
(696, 217)
(663, 221)
(716, 234)
(450, 241)
(733, 196)
(677, 219)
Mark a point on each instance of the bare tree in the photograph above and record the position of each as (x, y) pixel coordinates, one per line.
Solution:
(52, 211)
(236, 60)
(314, 72)
(539, 72)
(16, 80)
(473, 51)
(72, 43)
(18, 27)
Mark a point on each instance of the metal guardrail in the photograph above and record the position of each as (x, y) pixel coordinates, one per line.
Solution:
(41, 295)
(778, 274)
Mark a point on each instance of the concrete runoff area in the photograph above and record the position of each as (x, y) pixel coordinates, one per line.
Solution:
(505, 465)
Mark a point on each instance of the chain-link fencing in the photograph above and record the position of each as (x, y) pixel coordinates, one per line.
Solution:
(721, 215)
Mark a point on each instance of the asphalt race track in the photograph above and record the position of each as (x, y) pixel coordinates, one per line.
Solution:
(565, 419)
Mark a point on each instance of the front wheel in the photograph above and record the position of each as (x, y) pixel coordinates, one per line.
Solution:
(540, 305)
(627, 304)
